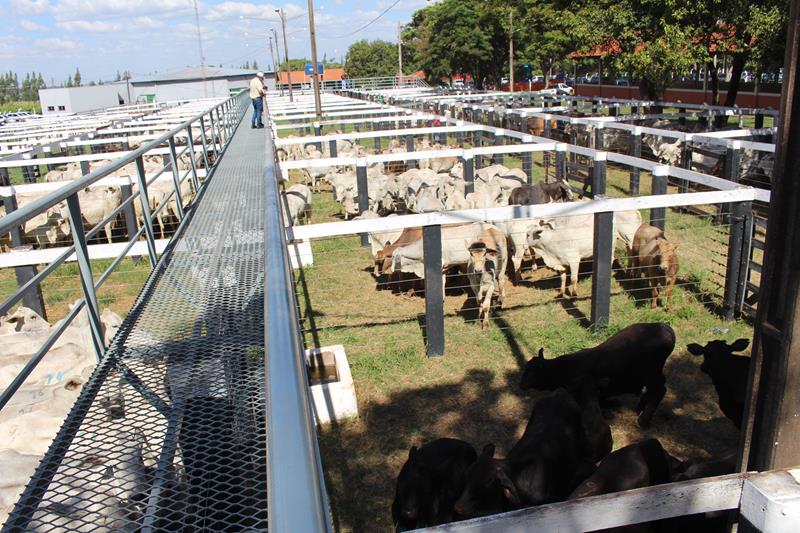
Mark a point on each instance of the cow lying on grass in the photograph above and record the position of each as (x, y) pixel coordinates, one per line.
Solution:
(729, 373)
(631, 360)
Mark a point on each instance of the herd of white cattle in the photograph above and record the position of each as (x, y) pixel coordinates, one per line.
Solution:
(480, 250)
(52, 228)
(31, 419)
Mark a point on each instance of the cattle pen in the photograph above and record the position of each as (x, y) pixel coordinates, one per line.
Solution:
(199, 414)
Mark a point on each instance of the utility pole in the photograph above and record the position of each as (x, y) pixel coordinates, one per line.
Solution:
(272, 54)
(278, 67)
(200, 45)
(317, 101)
(400, 52)
(286, 53)
(511, 50)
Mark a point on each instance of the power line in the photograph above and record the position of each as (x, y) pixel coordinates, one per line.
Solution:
(368, 24)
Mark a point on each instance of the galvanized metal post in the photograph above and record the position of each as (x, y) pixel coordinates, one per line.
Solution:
(636, 151)
(176, 177)
(214, 136)
(333, 149)
(478, 142)
(527, 165)
(4, 181)
(599, 137)
(87, 279)
(362, 184)
(738, 222)
(192, 158)
(141, 179)
(759, 121)
(469, 173)
(434, 290)
(376, 141)
(203, 139)
(747, 248)
(731, 172)
(683, 185)
(658, 214)
(410, 148)
(318, 133)
(85, 169)
(498, 141)
(561, 162)
(599, 174)
(129, 213)
(601, 268)
(24, 274)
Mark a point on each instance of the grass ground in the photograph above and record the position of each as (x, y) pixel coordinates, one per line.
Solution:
(405, 398)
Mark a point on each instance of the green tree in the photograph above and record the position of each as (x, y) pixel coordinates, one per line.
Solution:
(369, 59)
(295, 64)
(458, 37)
(77, 78)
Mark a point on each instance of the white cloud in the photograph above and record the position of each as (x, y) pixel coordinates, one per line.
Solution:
(31, 7)
(227, 10)
(67, 9)
(55, 43)
(90, 26)
(32, 26)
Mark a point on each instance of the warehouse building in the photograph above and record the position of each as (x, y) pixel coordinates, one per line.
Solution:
(190, 83)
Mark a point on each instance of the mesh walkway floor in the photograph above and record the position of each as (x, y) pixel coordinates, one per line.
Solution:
(169, 433)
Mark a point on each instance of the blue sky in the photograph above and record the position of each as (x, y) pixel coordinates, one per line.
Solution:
(102, 37)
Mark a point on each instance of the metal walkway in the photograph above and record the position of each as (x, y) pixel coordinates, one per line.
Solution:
(169, 432)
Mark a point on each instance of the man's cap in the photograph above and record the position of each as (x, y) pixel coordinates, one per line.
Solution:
(260, 74)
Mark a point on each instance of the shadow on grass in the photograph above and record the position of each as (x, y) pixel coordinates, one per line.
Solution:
(361, 458)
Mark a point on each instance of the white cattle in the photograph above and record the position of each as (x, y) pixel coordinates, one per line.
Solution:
(17, 469)
(455, 243)
(97, 203)
(298, 203)
(486, 174)
(50, 228)
(566, 241)
(486, 270)
(70, 171)
(23, 319)
(379, 239)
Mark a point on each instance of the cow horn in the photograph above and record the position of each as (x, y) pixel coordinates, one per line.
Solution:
(541, 354)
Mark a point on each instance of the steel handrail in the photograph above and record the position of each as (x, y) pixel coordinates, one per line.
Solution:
(20, 216)
(297, 500)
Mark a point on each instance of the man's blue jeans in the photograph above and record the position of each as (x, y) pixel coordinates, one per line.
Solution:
(258, 107)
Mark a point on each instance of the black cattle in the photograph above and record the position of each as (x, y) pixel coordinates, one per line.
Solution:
(728, 372)
(638, 465)
(540, 193)
(595, 428)
(631, 360)
(430, 482)
(546, 463)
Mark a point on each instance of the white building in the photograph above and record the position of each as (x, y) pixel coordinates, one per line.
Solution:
(196, 82)
(191, 83)
(79, 99)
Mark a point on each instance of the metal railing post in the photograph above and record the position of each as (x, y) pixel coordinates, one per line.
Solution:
(214, 136)
(192, 159)
(32, 299)
(203, 139)
(434, 290)
(144, 198)
(599, 174)
(498, 141)
(601, 268)
(469, 173)
(658, 214)
(561, 162)
(87, 279)
(527, 161)
(129, 213)
(738, 222)
(731, 171)
(362, 184)
(410, 148)
(332, 148)
(636, 151)
(176, 177)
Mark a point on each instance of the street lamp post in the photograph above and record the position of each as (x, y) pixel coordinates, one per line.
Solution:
(317, 102)
(278, 54)
(286, 53)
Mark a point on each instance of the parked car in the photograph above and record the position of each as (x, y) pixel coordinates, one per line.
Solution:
(558, 88)
(623, 80)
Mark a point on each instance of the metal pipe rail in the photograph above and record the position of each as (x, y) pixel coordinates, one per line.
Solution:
(297, 496)
(11, 222)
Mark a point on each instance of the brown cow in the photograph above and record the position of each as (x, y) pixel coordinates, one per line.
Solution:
(536, 125)
(654, 255)
(383, 259)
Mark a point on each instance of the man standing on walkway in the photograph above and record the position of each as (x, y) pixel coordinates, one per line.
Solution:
(256, 93)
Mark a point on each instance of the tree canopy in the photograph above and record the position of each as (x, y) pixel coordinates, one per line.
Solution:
(652, 41)
(370, 59)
